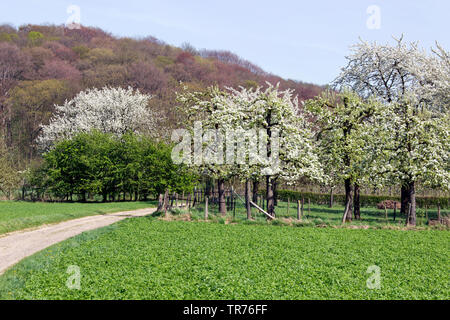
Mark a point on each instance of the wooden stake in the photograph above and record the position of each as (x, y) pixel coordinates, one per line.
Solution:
(166, 203)
(206, 207)
(299, 213)
(309, 207)
(160, 202)
(439, 212)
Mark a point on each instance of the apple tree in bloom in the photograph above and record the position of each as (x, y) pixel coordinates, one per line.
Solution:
(210, 116)
(286, 149)
(108, 110)
(346, 145)
(408, 76)
(263, 135)
(416, 149)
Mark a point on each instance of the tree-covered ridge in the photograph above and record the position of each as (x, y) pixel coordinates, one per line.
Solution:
(44, 65)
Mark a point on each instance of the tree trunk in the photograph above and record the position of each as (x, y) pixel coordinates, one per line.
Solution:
(166, 203)
(275, 192)
(206, 207)
(356, 203)
(412, 199)
(255, 191)
(348, 201)
(269, 196)
(331, 198)
(160, 203)
(247, 199)
(209, 186)
(404, 200)
(222, 203)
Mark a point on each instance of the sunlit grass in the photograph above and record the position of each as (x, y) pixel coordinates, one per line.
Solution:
(16, 215)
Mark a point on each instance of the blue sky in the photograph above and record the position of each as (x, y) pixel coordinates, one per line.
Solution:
(301, 40)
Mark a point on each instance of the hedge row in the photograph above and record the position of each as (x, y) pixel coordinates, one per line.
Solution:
(366, 200)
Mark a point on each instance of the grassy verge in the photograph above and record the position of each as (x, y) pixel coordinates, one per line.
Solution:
(146, 258)
(16, 215)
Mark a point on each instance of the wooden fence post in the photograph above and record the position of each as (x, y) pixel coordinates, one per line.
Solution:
(166, 203)
(299, 214)
(195, 197)
(206, 207)
(439, 212)
(189, 201)
(160, 202)
(309, 207)
(289, 202)
(172, 198)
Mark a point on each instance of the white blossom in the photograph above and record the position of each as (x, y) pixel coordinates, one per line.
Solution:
(109, 110)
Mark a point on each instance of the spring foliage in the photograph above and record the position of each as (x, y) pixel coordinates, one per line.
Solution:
(108, 110)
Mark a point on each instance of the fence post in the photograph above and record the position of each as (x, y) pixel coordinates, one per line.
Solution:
(395, 209)
(439, 212)
(309, 207)
(248, 199)
(289, 202)
(160, 202)
(195, 197)
(166, 203)
(206, 207)
(299, 214)
(189, 200)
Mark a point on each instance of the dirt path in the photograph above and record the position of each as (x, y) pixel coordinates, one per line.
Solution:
(18, 245)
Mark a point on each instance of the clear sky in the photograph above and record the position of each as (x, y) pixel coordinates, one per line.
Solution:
(301, 40)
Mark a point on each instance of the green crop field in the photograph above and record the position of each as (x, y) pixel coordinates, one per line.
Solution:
(147, 258)
(16, 215)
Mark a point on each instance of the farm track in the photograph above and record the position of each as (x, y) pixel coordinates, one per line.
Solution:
(21, 244)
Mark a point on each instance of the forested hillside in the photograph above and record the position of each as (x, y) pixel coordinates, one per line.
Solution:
(43, 65)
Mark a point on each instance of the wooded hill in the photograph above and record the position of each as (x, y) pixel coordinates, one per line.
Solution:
(43, 65)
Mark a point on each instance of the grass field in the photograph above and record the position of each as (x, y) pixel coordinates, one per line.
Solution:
(146, 258)
(321, 215)
(16, 215)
